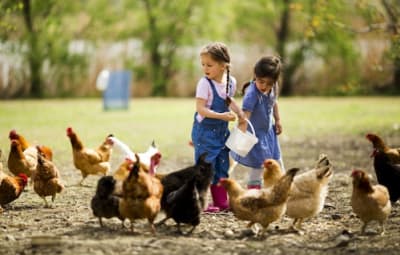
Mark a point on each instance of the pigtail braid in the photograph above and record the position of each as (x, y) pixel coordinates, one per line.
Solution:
(228, 99)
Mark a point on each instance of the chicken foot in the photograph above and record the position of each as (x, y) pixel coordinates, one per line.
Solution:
(81, 181)
(162, 222)
(46, 205)
(296, 226)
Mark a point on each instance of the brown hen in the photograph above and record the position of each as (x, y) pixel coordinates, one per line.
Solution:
(141, 196)
(90, 161)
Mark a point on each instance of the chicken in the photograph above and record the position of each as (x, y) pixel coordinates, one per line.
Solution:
(20, 161)
(259, 206)
(123, 171)
(369, 202)
(11, 187)
(104, 204)
(392, 154)
(184, 206)
(308, 192)
(386, 165)
(149, 159)
(185, 191)
(272, 172)
(46, 180)
(141, 195)
(13, 135)
(203, 172)
(90, 161)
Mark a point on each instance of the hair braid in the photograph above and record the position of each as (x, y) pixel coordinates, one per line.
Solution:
(228, 99)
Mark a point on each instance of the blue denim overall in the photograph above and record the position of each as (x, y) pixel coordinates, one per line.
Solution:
(210, 136)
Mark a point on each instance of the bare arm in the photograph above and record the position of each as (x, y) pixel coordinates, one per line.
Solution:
(236, 109)
(208, 113)
(277, 119)
(242, 123)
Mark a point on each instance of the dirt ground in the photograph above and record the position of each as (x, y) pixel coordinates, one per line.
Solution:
(69, 227)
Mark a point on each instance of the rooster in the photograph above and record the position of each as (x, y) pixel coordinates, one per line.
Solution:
(104, 204)
(369, 202)
(90, 161)
(13, 135)
(308, 192)
(141, 195)
(11, 187)
(386, 165)
(46, 181)
(259, 206)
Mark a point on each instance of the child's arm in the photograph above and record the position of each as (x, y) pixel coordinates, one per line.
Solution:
(242, 123)
(277, 119)
(208, 113)
(236, 109)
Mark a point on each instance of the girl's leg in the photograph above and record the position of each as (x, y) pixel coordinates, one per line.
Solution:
(254, 179)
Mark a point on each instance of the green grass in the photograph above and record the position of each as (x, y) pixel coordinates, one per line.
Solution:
(169, 121)
(341, 116)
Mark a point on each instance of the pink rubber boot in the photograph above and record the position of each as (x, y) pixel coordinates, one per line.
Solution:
(220, 199)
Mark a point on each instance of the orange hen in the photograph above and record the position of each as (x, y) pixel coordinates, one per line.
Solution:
(13, 135)
(10, 187)
(20, 161)
(46, 181)
(141, 196)
(369, 202)
(90, 161)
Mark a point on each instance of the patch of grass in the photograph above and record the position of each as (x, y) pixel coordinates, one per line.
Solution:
(340, 116)
(169, 121)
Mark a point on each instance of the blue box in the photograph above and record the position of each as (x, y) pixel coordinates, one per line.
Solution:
(117, 93)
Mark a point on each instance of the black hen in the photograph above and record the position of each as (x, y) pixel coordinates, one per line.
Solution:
(184, 206)
(200, 174)
(388, 174)
(104, 204)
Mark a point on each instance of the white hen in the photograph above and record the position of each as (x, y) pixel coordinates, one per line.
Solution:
(150, 159)
(308, 193)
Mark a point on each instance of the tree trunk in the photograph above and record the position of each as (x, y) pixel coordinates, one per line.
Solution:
(393, 11)
(34, 59)
(282, 36)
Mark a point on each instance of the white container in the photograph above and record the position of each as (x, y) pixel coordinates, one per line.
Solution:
(240, 142)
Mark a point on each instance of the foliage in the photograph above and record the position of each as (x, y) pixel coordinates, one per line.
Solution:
(317, 39)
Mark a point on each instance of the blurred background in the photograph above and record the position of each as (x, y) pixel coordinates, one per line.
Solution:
(332, 48)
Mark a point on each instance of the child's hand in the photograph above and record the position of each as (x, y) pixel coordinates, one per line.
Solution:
(278, 127)
(228, 116)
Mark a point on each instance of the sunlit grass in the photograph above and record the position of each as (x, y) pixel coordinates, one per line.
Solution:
(169, 121)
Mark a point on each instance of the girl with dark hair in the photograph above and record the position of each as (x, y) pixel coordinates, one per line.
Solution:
(260, 106)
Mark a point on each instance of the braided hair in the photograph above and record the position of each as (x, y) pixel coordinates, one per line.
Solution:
(268, 66)
(219, 52)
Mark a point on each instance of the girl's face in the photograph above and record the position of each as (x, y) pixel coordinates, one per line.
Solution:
(264, 84)
(212, 69)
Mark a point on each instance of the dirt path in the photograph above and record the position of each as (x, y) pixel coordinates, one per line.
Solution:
(26, 227)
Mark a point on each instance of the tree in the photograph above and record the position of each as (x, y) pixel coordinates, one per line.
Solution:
(299, 30)
(42, 38)
(168, 24)
(392, 9)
